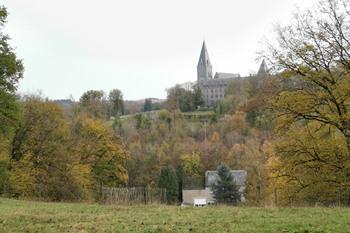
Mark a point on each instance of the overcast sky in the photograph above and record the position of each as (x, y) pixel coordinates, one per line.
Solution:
(141, 47)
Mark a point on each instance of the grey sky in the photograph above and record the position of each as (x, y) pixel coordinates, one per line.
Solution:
(140, 47)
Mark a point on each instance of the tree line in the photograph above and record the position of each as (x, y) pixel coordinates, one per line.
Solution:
(290, 129)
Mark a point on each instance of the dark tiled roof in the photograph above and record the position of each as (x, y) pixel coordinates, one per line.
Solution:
(263, 68)
(240, 177)
(204, 57)
(226, 75)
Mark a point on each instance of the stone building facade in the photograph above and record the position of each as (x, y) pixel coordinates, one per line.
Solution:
(213, 87)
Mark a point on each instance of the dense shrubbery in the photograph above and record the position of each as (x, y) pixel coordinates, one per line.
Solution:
(56, 158)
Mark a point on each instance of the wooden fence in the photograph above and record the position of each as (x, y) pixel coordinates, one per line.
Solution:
(137, 195)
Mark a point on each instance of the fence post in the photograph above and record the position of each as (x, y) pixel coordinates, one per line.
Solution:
(276, 197)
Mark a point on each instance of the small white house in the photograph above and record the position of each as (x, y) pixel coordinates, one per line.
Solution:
(195, 196)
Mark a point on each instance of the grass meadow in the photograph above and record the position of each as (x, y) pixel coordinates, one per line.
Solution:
(30, 216)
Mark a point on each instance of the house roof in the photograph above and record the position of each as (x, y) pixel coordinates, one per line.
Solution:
(239, 176)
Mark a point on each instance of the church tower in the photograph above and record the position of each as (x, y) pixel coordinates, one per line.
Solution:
(204, 68)
(263, 70)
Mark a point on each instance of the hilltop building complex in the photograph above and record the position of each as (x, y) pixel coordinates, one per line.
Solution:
(213, 87)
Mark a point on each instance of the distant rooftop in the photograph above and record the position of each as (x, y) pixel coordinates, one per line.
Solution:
(239, 176)
(226, 75)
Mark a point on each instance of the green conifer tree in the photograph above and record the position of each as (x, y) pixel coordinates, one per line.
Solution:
(225, 190)
(198, 100)
(147, 105)
(168, 180)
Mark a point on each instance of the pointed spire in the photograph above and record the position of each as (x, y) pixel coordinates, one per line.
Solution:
(204, 57)
(263, 68)
(204, 67)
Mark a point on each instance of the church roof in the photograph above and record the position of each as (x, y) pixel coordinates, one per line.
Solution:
(220, 79)
(204, 57)
(263, 68)
(226, 75)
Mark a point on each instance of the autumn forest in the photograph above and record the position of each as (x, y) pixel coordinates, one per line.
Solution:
(289, 129)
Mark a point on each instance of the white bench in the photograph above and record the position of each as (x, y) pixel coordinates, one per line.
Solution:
(200, 202)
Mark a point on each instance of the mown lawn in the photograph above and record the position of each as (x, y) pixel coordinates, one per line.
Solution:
(25, 216)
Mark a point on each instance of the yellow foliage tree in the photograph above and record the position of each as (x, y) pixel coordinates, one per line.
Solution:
(100, 156)
(39, 157)
(311, 166)
(312, 103)
(215, 137)
(192, 165)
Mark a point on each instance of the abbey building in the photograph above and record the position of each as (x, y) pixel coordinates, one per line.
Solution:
(213, 88)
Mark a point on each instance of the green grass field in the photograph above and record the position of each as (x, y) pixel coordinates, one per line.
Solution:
(25, 216)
